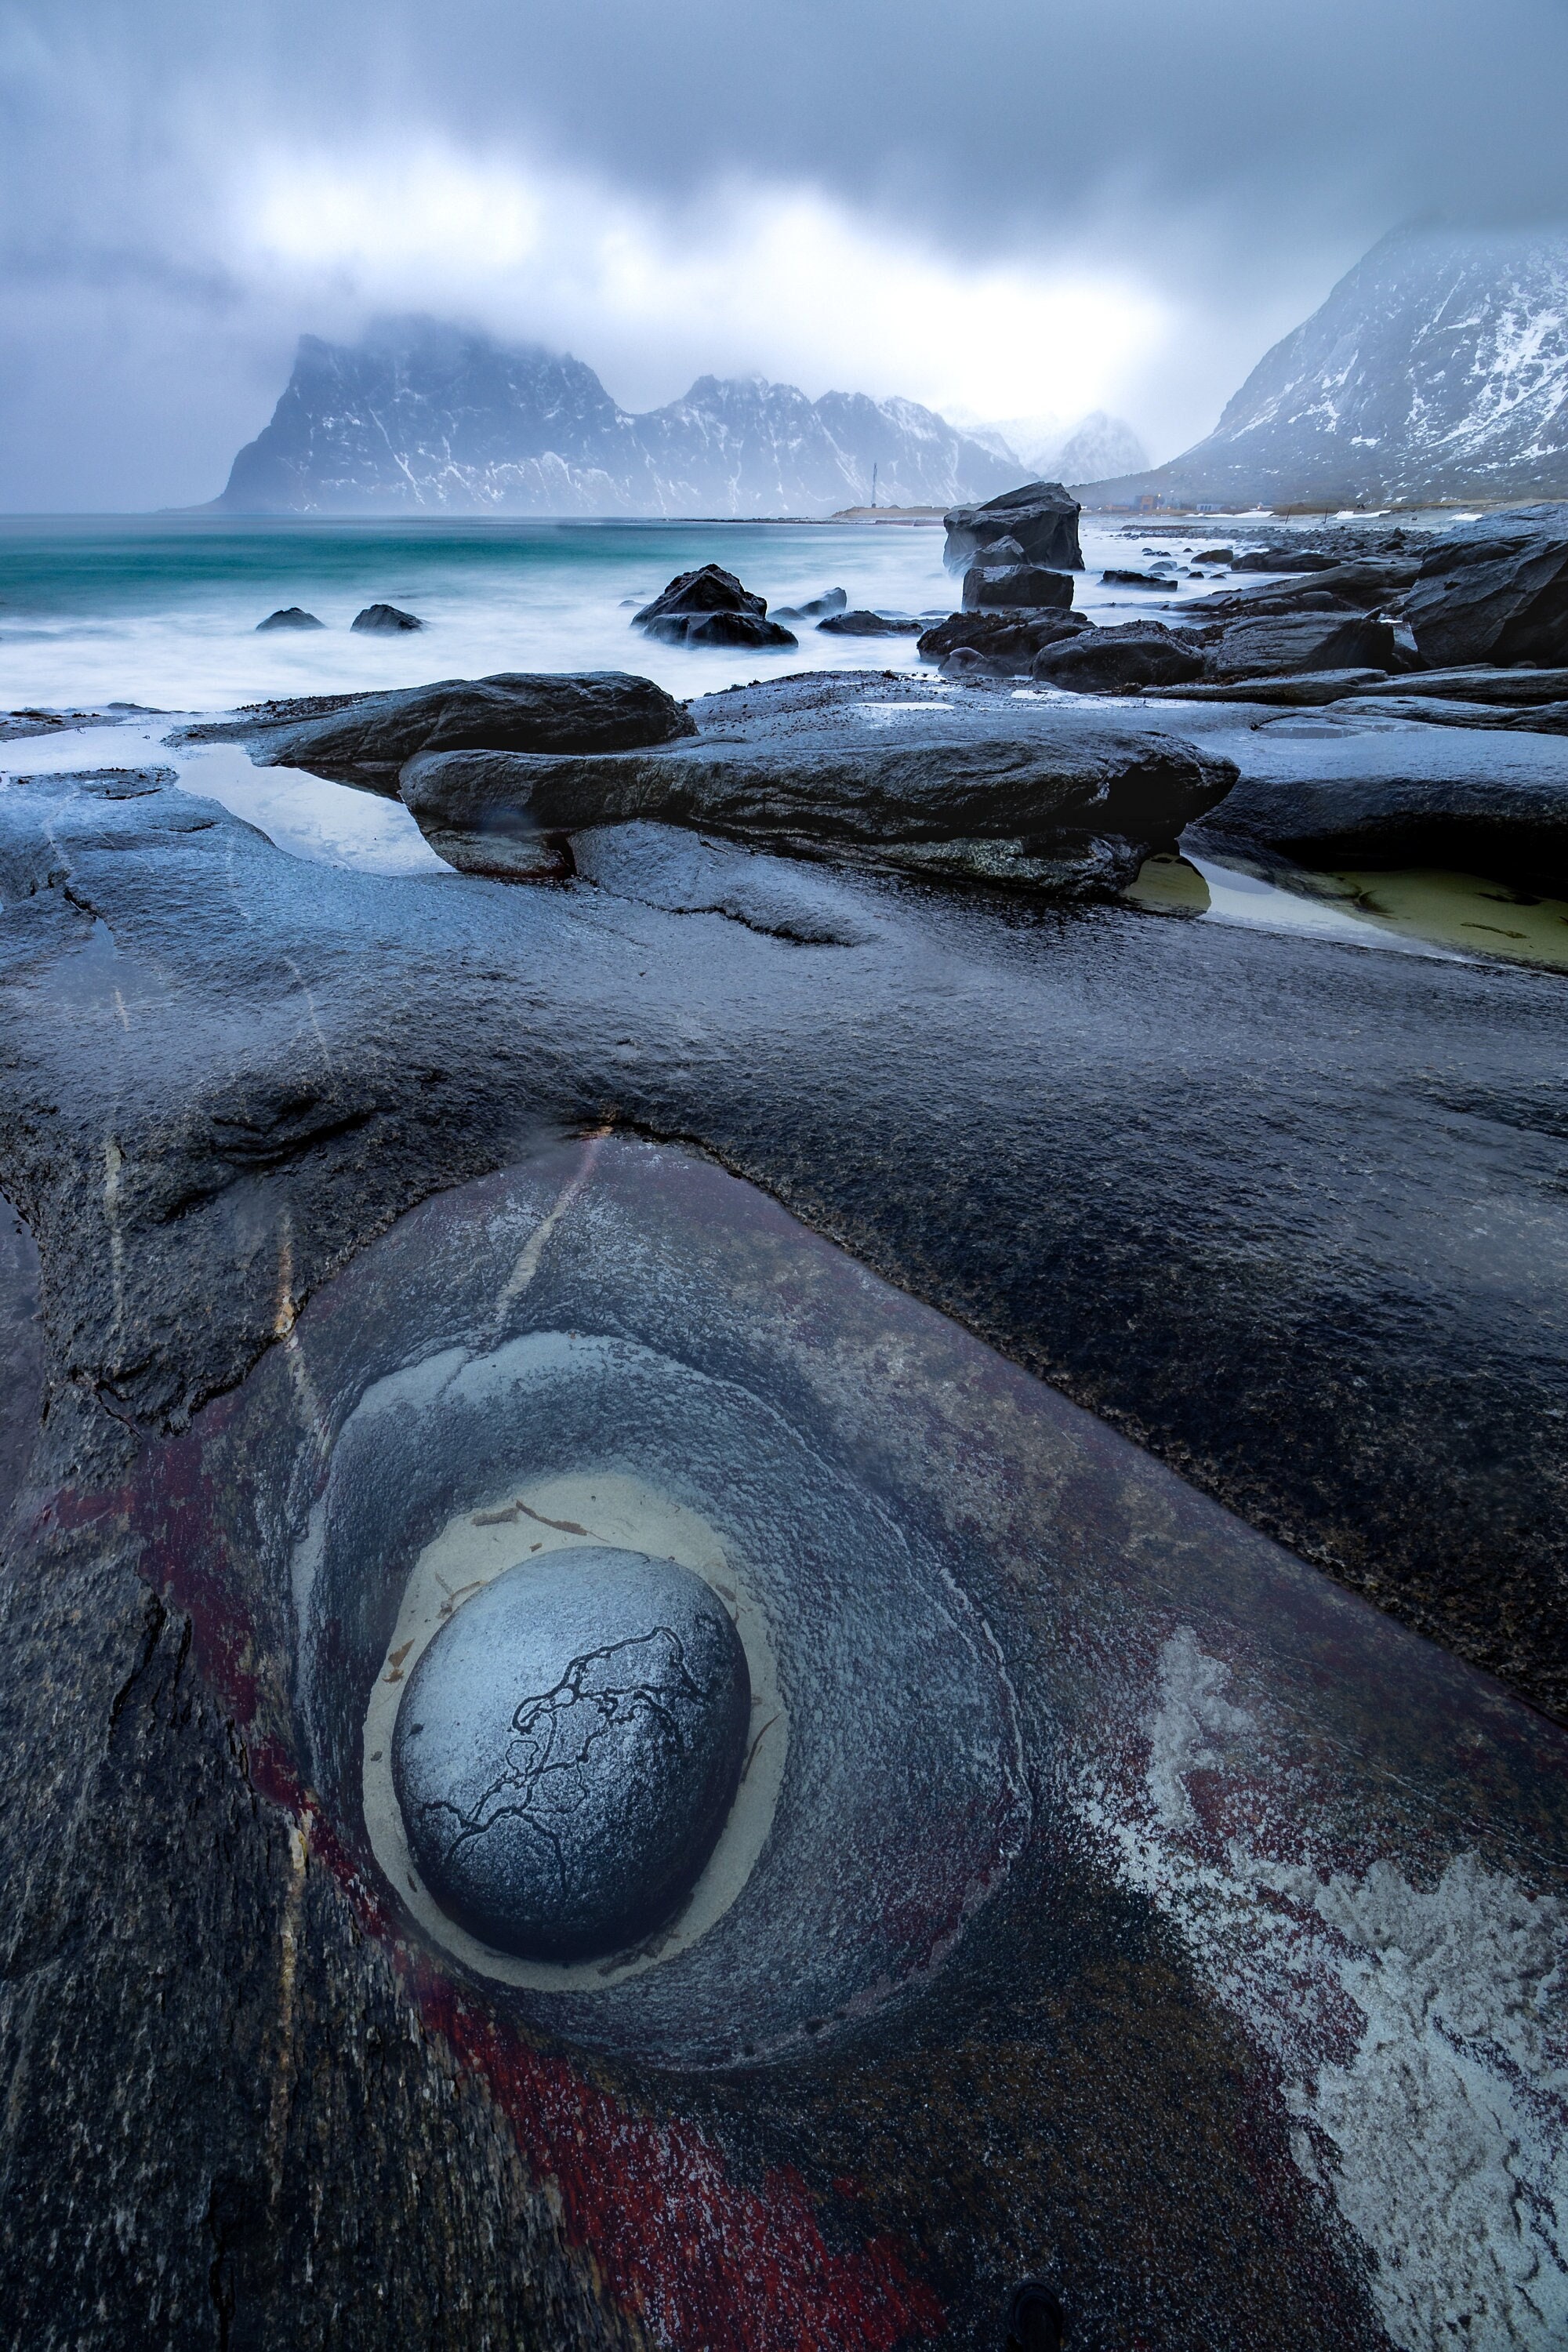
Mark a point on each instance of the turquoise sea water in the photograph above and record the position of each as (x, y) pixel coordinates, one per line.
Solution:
(162, 609)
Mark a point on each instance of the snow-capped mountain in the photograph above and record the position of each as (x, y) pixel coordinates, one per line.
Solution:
(422, 418)
(1097, 446)
(1438, 368)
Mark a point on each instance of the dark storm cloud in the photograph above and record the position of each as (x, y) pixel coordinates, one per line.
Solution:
(1234, 155)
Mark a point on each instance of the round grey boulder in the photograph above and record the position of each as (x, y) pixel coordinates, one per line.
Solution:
(568, 1748)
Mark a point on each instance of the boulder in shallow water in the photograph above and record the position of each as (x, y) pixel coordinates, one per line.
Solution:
(385, 621)
(709, 606)
(1017, 586)
(1040, 520)
(846, 769)
(1496, 591)
(368, 742)
(1120, 660)
(816, 608)
(290, 616)
(870, 625)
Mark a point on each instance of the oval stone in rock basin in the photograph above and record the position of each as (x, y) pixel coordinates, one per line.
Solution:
(567, 1751)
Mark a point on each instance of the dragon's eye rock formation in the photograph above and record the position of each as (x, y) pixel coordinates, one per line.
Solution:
(567, 1750)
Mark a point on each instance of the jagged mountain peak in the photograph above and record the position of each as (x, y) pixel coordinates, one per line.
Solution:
(1437, 368)
(423, 414)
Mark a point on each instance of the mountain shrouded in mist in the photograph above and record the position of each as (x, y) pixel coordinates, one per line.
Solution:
(1438, 368)
(421, 417)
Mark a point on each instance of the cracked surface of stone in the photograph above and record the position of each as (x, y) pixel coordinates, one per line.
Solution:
(567, 1749)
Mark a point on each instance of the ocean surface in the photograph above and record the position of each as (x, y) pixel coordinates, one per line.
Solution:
(163, 610)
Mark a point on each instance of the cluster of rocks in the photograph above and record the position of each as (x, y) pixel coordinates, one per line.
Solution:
(502, 773)
(374, 621)
(1359, 611)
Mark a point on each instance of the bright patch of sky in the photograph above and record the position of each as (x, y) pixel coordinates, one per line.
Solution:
(774, 281)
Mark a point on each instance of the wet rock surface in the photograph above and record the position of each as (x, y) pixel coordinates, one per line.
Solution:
(1291, 1215)
(1375, 790)
(1495, 590)
(365, 740)
(864, 771)
(1483, 684)
(1120, 660)
(1006, 642)
(1022, 586)
(21, 1352)
(1361, 586)
(1443, 710)
(1330, 1398)
(1307, 690)
(1275, 647)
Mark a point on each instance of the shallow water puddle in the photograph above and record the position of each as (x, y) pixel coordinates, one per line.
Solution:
(1461, 911)
(1422, 910)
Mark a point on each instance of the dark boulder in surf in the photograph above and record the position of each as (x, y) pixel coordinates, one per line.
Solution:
(1040, 520)
(290, 616)
(710, 607)
(870, 625)
(1023, 586)
(385, 621)
(1007, 642)
(816, 608)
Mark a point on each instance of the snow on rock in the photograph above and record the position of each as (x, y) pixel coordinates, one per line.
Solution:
(1438, 368)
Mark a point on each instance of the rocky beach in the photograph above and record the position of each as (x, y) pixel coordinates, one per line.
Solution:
(1029, 1165)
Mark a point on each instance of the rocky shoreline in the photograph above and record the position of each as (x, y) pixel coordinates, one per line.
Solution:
(777, 1094)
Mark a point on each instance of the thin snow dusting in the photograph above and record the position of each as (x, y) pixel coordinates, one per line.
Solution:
(1419, 2033)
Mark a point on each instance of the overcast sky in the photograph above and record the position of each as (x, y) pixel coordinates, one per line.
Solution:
(1017, 207)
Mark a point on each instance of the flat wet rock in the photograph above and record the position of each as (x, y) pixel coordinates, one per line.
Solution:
(1291, 1216)
(1373, 789)
(1217, 1111)
(21, 1352)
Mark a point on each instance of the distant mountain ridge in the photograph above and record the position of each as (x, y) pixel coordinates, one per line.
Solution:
(1438, 368)
(423, 417)
(1097, 444)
